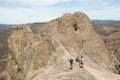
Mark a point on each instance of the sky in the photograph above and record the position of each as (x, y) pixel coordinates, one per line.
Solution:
(30, 11)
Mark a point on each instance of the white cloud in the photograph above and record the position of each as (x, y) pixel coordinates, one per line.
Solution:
(39, 2)
(32, 2)
(24, 11)
(106, 3)
(83, 0)
(50, 2)
(36, 3)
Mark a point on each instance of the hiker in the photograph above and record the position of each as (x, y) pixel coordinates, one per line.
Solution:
(71, 63)
(80, 61)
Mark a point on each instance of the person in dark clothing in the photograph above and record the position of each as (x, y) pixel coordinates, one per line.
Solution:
(71, 63)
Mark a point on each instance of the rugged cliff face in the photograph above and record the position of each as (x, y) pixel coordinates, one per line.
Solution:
(112, 41)
(45, 55)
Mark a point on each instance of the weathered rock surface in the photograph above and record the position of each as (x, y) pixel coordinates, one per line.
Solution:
(112, 41)
(45, 55)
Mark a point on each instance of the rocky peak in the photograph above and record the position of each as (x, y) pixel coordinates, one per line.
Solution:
(45, 55)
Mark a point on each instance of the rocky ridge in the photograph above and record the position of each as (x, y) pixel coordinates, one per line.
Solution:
(45, 55)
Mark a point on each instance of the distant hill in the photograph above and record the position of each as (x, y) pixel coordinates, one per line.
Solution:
(107, 22)
(3, 25)
(99, 24)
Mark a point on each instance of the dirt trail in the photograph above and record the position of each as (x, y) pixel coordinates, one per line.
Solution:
(102, 74)
(63, 72)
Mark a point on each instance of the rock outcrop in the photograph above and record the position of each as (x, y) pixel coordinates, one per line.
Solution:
(45, 55)
(112, 41)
